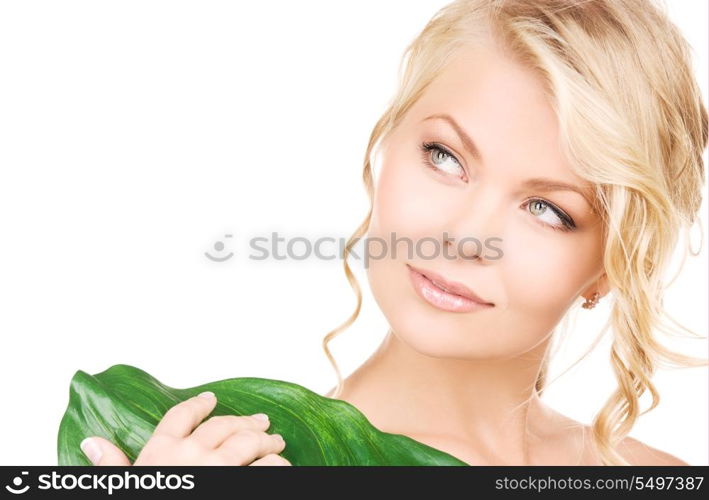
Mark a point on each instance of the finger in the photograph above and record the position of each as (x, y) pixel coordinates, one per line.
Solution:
(102, 452)
(179, 420)
(271, 459)
(247, 445)
(215, 430)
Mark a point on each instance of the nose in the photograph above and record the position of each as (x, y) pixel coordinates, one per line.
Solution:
(474, 231)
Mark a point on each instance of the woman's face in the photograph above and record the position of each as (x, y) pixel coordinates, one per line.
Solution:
(527, 247)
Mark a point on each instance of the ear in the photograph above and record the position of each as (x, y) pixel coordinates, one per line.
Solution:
(600, 285)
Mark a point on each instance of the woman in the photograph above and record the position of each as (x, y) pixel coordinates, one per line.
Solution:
(537, 155)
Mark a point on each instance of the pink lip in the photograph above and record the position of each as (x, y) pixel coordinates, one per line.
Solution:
(446, 295)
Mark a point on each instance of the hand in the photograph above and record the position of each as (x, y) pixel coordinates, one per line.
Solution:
(220, 440)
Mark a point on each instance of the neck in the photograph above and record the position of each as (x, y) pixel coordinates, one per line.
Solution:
(490, 405)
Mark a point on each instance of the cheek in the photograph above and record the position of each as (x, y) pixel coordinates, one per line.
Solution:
(549, 269)
(543, 276)
(406, 201)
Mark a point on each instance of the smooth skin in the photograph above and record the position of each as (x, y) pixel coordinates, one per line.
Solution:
(180, 439)
(464, 382)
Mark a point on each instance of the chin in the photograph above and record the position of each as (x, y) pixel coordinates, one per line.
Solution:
(441, 338)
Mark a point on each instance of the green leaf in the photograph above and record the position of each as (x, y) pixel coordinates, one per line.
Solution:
(123, 404)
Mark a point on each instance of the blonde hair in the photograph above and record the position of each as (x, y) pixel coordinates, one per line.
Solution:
(632, 121)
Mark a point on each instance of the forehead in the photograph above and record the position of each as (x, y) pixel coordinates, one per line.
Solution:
(486, 78)
(484, 88)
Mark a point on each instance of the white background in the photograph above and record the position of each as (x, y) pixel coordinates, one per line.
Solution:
(135, 134)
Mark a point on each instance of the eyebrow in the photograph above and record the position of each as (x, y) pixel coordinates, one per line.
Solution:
(545, 184)
(467, 141)
(541, 183)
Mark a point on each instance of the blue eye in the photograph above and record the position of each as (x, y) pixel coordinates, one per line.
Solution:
(441, 160)
(550, 215)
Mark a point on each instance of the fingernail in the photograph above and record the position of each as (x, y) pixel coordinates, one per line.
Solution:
(279, 437)
(261, 416)
(91, 449)
(206, 394)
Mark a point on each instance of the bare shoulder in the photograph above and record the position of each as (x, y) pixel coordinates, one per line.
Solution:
(639, 453)
(563, 430)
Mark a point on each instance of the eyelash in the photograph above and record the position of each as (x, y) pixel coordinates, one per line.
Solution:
(568, 223)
